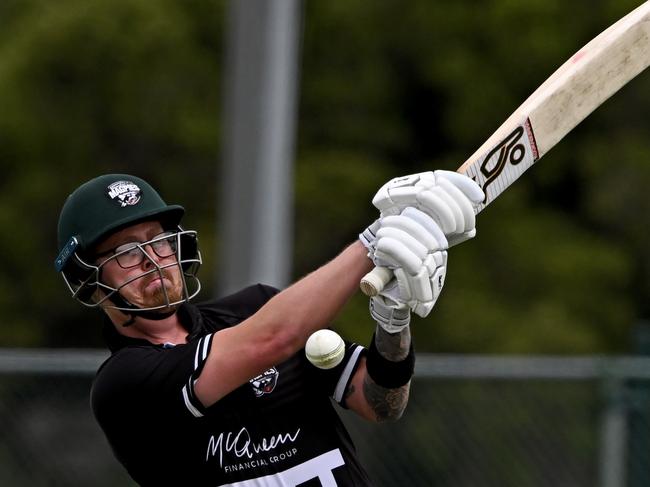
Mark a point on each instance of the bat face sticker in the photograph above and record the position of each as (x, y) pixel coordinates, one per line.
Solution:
(579, 86)
(506, 161)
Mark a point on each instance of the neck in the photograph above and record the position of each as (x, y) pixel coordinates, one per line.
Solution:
(167, 330)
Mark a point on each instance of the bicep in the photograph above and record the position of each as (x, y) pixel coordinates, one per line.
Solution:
(236, 355)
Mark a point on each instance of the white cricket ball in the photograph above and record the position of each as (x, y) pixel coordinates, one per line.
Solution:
(325, 349)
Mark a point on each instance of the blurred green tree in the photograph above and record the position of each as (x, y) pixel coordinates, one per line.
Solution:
(560, 264)
(92, 87)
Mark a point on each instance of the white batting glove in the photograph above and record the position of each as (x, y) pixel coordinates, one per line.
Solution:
(414, 247)
(448, 197)
(403, 240)
(388, 310)
(421, 291)
(406, 240)
(369, 236)
(405, 293)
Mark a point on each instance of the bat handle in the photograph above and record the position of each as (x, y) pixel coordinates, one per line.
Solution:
(373, 282)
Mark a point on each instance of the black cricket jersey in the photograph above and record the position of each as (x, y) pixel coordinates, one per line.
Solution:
(279, 429)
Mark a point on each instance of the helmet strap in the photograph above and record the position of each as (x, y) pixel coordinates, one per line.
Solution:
(130, 321)
(149, 315)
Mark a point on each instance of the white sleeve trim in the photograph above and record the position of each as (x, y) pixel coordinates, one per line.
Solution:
(188, 404)
(342, 384)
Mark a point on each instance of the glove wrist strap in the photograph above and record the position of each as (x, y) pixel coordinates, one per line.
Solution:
(391, 317)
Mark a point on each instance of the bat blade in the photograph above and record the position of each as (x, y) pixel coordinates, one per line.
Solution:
(577, 88)
(566, 98)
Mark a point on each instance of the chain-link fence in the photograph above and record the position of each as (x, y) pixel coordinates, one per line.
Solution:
(471, 421)
(520, 422)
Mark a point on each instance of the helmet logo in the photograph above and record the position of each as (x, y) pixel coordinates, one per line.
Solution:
(125, 193)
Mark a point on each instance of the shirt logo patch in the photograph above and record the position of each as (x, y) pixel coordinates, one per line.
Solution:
(265, 382)
(126, 193)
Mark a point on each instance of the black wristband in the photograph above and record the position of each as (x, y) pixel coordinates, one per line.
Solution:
(387, 373)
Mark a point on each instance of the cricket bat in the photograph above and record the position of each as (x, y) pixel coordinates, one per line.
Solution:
(568, 96)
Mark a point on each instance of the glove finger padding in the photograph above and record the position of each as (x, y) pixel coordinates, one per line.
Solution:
(457, 223)
(448, 197)
(415, 223)
(431, 226)
(405, 240)
(394, 253)
(468, 186)
(434, 205)
(464, 205)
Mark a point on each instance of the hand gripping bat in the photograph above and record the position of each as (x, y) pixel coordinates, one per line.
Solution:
(568, 96)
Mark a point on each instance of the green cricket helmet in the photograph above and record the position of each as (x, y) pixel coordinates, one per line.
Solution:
(103, 206)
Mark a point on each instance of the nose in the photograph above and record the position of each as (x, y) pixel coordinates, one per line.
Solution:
(150, 258)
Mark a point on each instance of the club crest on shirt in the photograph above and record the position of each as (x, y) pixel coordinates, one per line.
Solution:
(126, 193)
(265, 382)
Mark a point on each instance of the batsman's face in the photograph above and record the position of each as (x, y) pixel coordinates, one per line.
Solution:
(146, 276)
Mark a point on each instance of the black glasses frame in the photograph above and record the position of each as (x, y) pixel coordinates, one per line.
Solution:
(131, 254)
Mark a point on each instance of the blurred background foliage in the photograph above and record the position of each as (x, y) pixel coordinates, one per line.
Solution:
(560, 263)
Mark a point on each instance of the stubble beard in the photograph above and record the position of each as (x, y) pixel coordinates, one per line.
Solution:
(158, 297)
(171, 291)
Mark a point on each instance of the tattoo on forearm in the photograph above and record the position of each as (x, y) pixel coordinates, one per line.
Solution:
(395, 346)
(387, 404)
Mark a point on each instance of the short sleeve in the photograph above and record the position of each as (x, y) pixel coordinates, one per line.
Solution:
(190, 400)
(337, 379)
(139, 380)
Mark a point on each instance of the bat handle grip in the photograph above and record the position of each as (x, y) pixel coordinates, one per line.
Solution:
(373, 282)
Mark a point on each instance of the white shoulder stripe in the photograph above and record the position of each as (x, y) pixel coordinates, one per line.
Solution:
(346, 374)
(196, 355)
(206, 346)
(202, 350)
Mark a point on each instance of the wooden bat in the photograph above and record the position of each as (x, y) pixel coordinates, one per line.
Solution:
(568, 96)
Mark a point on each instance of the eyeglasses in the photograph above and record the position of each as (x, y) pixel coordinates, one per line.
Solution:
(132, 254)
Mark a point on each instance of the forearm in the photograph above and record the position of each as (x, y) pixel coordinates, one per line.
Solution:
(314, 301)
(281, 327)
(388, 404)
